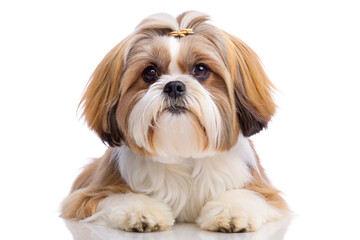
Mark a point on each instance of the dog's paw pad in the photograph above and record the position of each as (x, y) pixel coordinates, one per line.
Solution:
(144, 226)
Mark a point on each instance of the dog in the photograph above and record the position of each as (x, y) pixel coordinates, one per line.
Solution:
(176, 102)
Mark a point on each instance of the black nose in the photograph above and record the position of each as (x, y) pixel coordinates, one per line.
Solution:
(175, 89)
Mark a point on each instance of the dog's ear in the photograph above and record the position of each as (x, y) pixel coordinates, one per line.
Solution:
(100, 99)
(253, 89)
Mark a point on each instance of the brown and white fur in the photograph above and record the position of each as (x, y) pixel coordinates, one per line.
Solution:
(186, 158)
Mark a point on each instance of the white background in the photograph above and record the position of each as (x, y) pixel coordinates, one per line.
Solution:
(310, 50)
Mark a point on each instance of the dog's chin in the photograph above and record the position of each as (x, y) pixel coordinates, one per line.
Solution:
(178, 135)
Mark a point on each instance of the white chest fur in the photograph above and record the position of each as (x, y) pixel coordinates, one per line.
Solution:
(187, 184)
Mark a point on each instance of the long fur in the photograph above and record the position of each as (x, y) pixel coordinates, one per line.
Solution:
(187, 165)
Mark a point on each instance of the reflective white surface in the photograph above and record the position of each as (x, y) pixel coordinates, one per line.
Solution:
(184, 231)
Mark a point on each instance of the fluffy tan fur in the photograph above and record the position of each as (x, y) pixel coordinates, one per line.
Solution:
(253, 89)
(261, 184)
(97, 181)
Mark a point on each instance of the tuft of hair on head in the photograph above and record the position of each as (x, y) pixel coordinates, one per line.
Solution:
(167, 23)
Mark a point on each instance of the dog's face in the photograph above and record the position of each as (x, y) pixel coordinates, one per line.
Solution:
(185, 96)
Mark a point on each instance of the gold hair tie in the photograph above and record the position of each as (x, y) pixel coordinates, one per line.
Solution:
(181, 33)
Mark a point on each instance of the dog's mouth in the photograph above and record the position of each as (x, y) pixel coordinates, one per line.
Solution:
(176, 109)
(177, 106)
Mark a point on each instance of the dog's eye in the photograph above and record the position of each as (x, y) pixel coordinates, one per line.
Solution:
(150, 74)
(200, 71)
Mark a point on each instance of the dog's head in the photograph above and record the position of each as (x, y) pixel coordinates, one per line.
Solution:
(178, 86)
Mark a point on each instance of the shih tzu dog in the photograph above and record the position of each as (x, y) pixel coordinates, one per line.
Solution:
(176, 102)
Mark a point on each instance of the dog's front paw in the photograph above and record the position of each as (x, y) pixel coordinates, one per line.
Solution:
(134, 213)
(146, 220)
(236, 211)
(216, 216)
